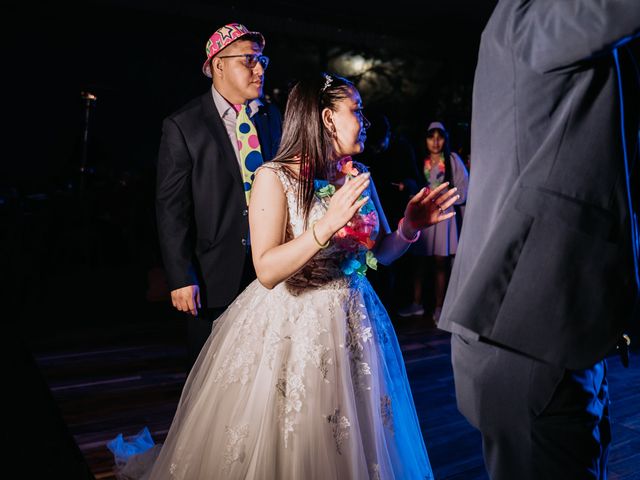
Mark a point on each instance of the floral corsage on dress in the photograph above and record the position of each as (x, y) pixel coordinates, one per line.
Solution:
(355, 239)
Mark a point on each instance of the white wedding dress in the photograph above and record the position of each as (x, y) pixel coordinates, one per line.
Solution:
(305, 381)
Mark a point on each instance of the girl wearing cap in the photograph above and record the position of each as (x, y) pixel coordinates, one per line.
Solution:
(438, 242)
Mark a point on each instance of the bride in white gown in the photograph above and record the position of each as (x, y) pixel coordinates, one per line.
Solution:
(302, 376)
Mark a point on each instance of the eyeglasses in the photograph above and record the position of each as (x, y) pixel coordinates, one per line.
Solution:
(251, 59)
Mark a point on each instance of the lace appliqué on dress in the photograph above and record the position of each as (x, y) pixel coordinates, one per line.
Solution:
(306, 348)
(235, 448)
(386, 412)
(290, 392)
(325, 362)
(357, 335)
(340, 426)
(175, 469)
(236, 367)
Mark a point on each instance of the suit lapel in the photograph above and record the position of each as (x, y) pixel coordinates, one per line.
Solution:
(216, 127)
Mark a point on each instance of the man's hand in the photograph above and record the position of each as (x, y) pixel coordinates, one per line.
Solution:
(187, 299)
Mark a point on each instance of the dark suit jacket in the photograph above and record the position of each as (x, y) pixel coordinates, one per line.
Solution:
(545, 263)
(200, 203)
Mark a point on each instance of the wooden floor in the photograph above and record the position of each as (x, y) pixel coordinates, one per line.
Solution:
(120, 378)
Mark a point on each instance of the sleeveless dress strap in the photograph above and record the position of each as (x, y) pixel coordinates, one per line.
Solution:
(279, 170)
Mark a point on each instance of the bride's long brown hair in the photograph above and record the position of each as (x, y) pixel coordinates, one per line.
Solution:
(305, 140)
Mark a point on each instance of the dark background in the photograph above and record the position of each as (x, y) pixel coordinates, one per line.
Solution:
(82, 248)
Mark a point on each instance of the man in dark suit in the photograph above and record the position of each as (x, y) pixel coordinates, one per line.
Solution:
(202, 190)
(545, 280)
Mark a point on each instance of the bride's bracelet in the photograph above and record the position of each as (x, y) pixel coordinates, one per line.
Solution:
(412, 240)
(313, 231)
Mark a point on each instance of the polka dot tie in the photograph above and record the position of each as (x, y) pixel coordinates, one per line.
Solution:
(248, 146)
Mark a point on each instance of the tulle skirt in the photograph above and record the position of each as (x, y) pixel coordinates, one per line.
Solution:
(298, 385)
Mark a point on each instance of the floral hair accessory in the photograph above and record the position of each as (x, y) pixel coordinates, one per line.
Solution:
(328, 79)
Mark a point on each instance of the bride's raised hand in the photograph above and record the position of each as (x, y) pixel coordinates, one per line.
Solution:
(346, 202)
(428, 208)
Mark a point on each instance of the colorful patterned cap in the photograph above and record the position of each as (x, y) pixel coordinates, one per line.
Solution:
(223, 37)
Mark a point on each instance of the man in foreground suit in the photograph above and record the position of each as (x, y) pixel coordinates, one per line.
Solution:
(545, 280)
(204, 180)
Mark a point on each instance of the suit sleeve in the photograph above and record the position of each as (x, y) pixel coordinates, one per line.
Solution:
(174, 206)
(556, 34)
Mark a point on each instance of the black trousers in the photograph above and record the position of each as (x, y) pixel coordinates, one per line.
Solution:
(201, 325)
(537, 421)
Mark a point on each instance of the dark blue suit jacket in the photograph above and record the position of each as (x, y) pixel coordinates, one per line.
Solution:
(200, 203)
